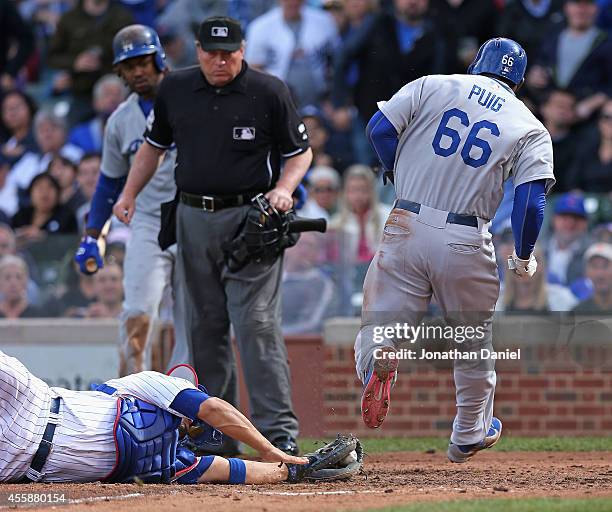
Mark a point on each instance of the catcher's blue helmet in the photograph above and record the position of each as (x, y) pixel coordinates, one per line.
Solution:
(136, 40)
(500, 57)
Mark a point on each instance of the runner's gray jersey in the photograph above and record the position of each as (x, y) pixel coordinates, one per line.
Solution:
(122, 138)
(148, 271)
(460, 137)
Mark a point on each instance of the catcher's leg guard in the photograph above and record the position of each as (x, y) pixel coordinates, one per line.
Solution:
(137, 330)
(376, 397)
(190, 468)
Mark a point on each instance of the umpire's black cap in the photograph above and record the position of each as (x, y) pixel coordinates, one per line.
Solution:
(220, 33)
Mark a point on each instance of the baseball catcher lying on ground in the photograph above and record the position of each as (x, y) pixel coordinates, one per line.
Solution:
(128, 430)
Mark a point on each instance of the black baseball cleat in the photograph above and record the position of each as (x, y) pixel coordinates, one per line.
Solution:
(286, 444)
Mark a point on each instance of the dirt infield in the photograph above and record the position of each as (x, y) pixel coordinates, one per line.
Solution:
(389, 479)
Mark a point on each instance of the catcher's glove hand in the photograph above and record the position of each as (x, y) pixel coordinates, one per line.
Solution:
(338, 460)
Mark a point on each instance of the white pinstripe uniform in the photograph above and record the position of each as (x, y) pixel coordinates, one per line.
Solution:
(83, 444)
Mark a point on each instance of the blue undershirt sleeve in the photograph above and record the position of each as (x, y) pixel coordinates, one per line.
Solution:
(106, 194)
(527, 216)
(188, 402)
(383, 138)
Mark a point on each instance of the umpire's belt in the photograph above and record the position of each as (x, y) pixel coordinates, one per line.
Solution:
(34, 474)
(451, 218)
(214, 203)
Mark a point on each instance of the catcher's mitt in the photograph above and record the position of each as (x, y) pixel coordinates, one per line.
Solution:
(338, 460)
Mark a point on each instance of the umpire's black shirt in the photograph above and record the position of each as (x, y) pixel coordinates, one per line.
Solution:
(229, 139)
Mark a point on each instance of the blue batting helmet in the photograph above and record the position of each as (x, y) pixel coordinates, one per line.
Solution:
(500, 57)
(136, 40)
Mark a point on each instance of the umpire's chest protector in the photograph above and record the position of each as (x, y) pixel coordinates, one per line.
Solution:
(145, 441)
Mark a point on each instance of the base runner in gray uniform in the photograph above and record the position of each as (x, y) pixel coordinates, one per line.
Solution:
(148, 270)
(451, 142)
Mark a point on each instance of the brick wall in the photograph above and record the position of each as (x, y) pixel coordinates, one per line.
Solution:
(559, 387)
(532, 401)
(551, 390)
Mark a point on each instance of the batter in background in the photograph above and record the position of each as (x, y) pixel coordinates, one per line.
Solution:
(451, 142)
(232, 126)
(148, 270)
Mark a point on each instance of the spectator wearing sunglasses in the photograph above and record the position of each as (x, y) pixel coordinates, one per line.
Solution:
(323, 188)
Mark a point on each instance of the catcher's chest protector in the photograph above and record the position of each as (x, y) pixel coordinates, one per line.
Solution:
(145, 439)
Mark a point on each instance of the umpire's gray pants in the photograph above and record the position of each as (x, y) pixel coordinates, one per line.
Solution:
(249, 299)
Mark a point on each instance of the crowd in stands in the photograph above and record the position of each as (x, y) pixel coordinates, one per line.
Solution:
(339, 58)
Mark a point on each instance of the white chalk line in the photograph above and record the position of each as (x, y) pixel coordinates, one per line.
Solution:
(306, 493)
(104, 498)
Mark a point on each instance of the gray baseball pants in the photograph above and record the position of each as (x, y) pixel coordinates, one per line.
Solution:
(249, 300)
(148, 273)
(421, 258)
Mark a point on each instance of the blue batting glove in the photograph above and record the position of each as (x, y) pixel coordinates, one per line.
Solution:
(88, 256)
(300, 195)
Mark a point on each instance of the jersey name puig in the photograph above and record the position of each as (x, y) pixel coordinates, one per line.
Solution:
(486, 98)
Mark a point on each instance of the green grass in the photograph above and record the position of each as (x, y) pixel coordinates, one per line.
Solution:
(507, 505)
(506, 444)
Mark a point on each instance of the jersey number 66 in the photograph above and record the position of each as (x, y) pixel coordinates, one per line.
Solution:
(471, 140)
